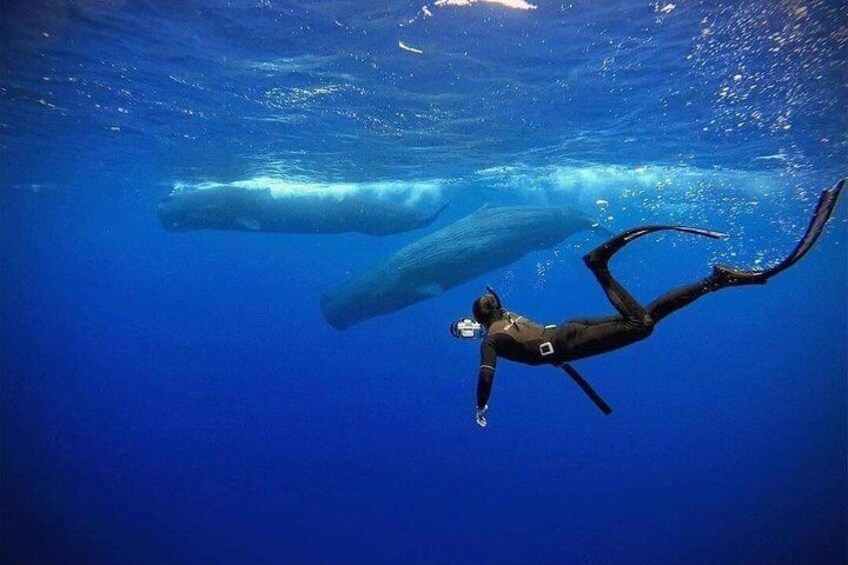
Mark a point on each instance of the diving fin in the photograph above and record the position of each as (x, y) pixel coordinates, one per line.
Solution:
(824, 210)
(604, 252)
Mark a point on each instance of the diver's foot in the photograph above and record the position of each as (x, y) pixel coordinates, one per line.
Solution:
(600, 256)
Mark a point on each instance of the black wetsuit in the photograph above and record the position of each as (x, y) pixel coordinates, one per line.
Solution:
(521, 340)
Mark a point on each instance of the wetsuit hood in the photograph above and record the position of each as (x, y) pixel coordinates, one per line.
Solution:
(487, 309)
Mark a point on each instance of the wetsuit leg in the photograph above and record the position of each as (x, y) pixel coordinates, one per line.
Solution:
(598, 262)
(683, 296)
(723, 277)
(629, 308)
(594, 320)
(585, 337)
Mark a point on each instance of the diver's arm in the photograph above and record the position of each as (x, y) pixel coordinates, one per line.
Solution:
(484, 386)
(486, 374)
(485, 378)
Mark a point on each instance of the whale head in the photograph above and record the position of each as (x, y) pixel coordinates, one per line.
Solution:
(173, 214)
(210, 209)
(373, 294)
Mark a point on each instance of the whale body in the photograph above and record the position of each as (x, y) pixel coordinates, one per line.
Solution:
(260, 210)
(488, 239)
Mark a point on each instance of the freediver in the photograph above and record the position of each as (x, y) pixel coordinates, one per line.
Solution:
(514, 337)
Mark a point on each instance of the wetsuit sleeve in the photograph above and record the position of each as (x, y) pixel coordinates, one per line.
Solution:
(486, 375)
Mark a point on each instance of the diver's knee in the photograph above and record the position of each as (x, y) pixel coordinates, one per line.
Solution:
(643, 331)
(642, 327)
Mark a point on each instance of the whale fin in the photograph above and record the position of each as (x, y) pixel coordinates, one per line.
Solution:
(431, 290)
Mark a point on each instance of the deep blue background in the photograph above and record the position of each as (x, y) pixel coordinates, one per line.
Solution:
(178, 398)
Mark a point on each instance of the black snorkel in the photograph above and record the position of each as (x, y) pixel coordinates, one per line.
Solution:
(498, 303)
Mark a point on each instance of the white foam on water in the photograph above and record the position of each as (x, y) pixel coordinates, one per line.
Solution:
(286, 65)
(601, 180)
(588, 184)
(513, 4)
(410, 192)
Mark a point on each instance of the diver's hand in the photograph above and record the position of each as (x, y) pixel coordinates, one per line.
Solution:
(481, 416)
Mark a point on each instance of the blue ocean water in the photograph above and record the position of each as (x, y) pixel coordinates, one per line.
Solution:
(179, 398)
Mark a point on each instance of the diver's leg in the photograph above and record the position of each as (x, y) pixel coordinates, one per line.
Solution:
(598, 262)
(591, 336)
(723, 277)
(683, 296)
(629, 308)
(586, 337)
(593, 321)
(577, 339)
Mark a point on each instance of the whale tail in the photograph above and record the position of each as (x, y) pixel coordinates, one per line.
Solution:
(422, 220)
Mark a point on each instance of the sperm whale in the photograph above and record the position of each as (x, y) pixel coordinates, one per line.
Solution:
(490, 238)
(260, 210)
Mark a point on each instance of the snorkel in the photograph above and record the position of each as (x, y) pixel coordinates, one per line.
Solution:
(498, 303)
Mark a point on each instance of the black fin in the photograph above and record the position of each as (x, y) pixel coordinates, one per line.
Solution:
(604, 252)
(824, 210)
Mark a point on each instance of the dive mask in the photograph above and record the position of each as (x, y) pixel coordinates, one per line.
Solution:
(466, 328)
